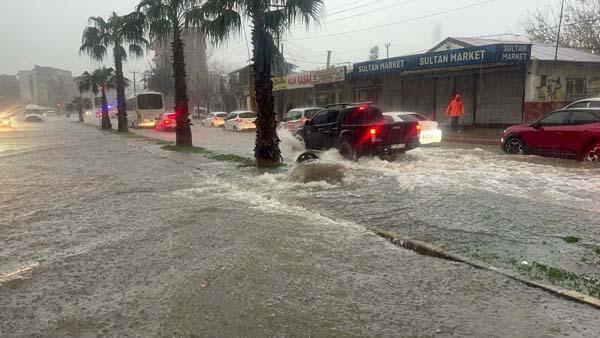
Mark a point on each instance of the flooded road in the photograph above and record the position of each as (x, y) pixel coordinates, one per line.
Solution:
(105, 235)
(536, 216)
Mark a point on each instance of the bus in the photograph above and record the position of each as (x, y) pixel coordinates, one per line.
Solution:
(144, 109)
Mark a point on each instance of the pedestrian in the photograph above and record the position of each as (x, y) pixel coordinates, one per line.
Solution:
(455, 110)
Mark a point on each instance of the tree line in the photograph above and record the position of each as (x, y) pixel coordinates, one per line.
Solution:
(580, 26)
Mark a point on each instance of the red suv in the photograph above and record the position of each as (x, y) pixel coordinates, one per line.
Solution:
(571, 133)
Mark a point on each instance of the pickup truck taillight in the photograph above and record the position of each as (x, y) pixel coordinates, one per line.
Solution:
(373, 133)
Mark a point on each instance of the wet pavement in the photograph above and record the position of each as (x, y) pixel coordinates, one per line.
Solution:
(106, 235)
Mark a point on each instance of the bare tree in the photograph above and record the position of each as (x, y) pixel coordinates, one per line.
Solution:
(580, 29)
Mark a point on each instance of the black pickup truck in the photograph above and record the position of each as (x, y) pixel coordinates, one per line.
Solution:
(359, 130)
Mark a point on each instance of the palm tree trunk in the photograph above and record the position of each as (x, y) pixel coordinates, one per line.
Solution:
(183, 132)
(122, 110)
(266, 151)
(105, 118)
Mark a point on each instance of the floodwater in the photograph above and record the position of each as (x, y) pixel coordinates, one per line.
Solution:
(529, 214)
(105, 235)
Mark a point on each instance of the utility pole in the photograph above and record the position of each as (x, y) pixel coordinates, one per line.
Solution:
(562, 10)
(134, 83)
(328, 58)
(387, 46)
(197, 92)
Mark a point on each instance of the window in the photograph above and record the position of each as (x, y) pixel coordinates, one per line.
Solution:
(292, 115)
(247, 115)
(333, 116)
(420, 117)
(582, 104)
(583, 117)
(408, 118)
(150, 101)
(321, 118)
(222, 115)
(309, 114)
(130, 104)
(231, 116)
(594, 104)
(555, 119)
(575, 88)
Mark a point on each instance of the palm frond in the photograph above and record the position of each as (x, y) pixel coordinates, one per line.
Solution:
(304, 10)
(276, 21)
(93, 43)
(219, 28)
(97, 21)
(160, 29)
(136, 50)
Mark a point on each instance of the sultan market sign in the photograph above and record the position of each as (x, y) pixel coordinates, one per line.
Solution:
(499, 53)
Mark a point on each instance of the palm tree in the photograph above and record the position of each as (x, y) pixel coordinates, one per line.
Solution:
(117, 32)
(98, 82)
(170, 19)
(268, 18)
(79, 104)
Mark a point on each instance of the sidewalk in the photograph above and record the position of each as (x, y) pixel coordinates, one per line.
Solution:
(473, 135)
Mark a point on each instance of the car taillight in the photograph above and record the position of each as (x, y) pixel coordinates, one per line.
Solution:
(418, 127)
(238, 120)
(302, 120)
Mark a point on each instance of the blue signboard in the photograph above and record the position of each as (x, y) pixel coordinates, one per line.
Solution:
(498, 53)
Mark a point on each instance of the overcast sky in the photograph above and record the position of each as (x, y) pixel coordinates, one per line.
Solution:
(48, 32)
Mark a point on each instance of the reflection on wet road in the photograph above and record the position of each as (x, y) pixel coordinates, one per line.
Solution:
(132, 240)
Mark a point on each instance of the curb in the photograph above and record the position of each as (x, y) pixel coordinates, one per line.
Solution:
(428, 249)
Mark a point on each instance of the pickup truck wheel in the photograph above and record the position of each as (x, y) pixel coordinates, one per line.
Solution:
(347, 151)
(592, 154)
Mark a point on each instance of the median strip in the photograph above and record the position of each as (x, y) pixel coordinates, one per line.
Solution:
(428, 249)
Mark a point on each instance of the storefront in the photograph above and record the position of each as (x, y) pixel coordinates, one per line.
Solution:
(490, 80)
(329, 85)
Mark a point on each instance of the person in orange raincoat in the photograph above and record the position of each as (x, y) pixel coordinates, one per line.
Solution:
(455, 110)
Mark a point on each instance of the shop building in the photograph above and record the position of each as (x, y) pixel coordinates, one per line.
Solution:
(500, 82)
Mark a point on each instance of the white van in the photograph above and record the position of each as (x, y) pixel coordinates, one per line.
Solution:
(144, 109)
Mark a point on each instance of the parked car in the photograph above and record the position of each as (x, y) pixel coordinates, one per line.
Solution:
(569, 133)
(359, 130)
(34, 117)
(165, 122)
(215, 119)
(296, 118)
(593, 102)
(240, 120)
(430, 130)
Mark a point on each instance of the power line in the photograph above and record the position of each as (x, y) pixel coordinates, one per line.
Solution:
(399, 22)
(356, 7)
(347, 4)
(372, 11)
